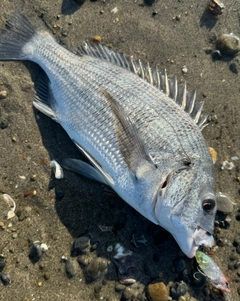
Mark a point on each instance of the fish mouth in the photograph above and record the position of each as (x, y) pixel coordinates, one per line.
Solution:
(200, 238)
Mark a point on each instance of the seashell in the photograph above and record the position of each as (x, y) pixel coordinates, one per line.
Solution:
(10, 201)
(57, 169)
(228, 44)
(216, 7)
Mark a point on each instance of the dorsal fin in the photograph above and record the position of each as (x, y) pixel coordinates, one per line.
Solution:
(178, 92)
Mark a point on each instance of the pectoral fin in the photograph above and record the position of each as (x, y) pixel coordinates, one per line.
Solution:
(106, 178)
(130, 144)
(84, 169)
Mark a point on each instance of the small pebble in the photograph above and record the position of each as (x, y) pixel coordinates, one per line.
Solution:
(44, 248)
(3, 94)
(39, 283)
(233, 257)
(236, 242)
(184, 70)
(149, 2)
(180, 266)
(178, 289)
(220, 242)
(158, 291)
(109, 249)
(2, 225)
(128, 293)
(97, 288)
(3, 124)
(96, 268)
(5, 279)
(46, 275)
(97, 39)
(216, 55)
(2, 263)
(119, 287)
(35, 252)
(15, 235)
(83, 260)
(233, 68)
(71, 268)
(228, 43)
(81, 245)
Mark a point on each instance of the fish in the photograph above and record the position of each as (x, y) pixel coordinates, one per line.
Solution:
(211, 270)
(140, 131)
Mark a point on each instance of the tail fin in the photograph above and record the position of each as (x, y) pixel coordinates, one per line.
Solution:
(17, 33)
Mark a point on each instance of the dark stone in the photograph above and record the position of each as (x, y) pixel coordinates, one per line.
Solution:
(180, 266)
(236, 242)
(238, 217)
(81, 245)
(233, 257)
(97, 288)
(238, 249)
(2, 263)
(216, 55)
(149, 2)
(233, 68)
(220, 242)
(35, 252)
(154, 13)
(178, 289)
(71, 268)
(20, 215)
(208, 51)
(5, 279)
(3, 124)
(237, 265)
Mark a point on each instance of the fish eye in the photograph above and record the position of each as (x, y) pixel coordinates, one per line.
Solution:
(208, 205)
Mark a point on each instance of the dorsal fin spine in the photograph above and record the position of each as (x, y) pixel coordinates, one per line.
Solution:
(186, 100)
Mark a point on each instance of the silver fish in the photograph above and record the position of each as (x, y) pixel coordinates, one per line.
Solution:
(140, 130)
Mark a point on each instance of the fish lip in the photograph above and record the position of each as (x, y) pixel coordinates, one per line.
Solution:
(201, 238)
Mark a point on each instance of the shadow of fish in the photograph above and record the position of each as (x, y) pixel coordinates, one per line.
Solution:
(140, 130)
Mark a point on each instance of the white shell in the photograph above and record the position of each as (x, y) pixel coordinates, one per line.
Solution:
(57, 169)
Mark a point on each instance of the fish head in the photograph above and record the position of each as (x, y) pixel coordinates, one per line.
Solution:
(221, 284)
(186, 207)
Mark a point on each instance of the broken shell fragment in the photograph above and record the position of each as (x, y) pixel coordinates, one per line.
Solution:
(228, 44)
(10, 201)
(216, 7)
(213, 154)
(57, 169)
(224, 203)
(11, 204)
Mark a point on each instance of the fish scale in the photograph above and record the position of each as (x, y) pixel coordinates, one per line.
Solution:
(141, 141)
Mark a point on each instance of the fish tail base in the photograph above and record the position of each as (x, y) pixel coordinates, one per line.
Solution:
(17, 34)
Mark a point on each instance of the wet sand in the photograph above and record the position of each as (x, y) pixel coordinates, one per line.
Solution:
(181, 33)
